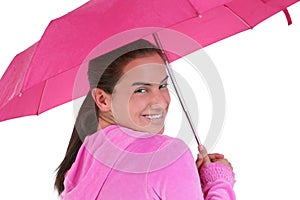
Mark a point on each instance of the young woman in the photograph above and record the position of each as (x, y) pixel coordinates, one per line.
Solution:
(117, 149)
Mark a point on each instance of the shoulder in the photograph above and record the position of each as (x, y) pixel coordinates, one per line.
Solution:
(140, 142)
(174, 173)
(151, 152)
(162, 145)
(168, 153)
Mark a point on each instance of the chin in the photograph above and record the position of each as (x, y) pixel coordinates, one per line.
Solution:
(148, 128)
(155, 130)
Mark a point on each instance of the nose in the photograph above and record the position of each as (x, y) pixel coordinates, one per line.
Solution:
(160, 100)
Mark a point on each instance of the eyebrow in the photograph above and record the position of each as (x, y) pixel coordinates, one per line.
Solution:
(148, 84)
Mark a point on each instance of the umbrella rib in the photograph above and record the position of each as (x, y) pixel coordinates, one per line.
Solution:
(238, 17)
(196, 11)
(42, 97)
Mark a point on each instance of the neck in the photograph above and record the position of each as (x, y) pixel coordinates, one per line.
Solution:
(105, 120)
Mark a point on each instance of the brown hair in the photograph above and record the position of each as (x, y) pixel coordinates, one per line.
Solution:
(104, 72)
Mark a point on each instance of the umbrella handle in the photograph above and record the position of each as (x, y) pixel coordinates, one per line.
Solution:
(176, 87)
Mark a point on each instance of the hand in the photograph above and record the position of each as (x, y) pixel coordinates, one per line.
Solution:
(204, 158)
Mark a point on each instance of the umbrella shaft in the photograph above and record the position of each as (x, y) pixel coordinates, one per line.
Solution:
(176, 87)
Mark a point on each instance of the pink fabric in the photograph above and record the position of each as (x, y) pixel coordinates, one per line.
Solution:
(118, 163)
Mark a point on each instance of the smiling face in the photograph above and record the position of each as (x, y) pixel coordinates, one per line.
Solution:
(140, 99)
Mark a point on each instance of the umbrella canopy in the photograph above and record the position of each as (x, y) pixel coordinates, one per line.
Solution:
(43, 76)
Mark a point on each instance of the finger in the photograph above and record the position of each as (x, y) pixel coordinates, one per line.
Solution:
(199, 161)
(216, 156)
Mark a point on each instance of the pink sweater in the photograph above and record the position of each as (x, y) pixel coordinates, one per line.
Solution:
(118, 163)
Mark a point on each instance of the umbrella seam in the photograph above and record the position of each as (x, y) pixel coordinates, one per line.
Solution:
(238, 17)
(42, 96)
(29, 66)
(194, 8)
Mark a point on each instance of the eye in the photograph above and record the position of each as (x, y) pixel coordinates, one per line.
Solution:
(163, 86)
(140, 90)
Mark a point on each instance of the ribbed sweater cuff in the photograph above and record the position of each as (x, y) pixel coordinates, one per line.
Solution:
(212, 172)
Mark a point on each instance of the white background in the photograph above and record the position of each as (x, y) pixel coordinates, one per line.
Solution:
(260, 72)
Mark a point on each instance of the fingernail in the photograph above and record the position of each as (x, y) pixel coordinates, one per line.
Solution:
(201, 148)
(199, 156)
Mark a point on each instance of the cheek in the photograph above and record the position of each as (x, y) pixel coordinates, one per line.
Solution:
(166, 96)
(120, 105)
(137, 104)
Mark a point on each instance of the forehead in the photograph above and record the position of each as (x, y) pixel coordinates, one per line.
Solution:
(150, 68)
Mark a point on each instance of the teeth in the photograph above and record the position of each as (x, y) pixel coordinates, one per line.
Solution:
(153, 117)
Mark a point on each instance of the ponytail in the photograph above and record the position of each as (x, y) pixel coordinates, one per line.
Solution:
(86, 124)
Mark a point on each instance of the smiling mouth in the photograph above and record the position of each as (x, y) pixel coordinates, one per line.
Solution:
(154, 117)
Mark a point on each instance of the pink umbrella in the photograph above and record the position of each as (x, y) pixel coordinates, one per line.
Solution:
(42, 76)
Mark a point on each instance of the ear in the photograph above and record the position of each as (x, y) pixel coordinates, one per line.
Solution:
(102, 99)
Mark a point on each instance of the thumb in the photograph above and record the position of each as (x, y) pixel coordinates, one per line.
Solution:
(204, 155)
